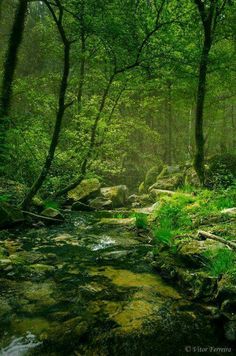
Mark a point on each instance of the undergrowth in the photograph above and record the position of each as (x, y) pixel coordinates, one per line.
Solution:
(179, 216)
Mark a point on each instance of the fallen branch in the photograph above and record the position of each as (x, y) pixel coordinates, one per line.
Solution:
(41, 217)
(208, 235)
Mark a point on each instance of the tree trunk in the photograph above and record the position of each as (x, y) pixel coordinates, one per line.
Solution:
(201, 93)
(10, 64)
(234, 128)
(82, 62)
(57, 128)
(170, 123)
(91, 144)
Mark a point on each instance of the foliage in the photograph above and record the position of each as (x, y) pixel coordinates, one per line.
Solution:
(149, 108)
(163, 234)
(222, 170)
(141, 221)
(220, 261)
(183, 213)
(4, 198)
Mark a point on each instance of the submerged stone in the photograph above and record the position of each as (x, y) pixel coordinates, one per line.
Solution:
(129, 279)
(116, 221)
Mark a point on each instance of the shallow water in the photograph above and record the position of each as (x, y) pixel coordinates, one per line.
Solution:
(82, 288)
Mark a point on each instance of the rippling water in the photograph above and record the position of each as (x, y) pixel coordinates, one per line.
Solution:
(82, 288)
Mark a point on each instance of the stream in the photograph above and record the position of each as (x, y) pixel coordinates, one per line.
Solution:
(86, 288)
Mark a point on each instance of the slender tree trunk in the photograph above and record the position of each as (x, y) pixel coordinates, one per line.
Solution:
(60, 113)
(170, 123)
(201, 94)
(1, 9)
(84, 165)
(234, 128)
(82, 74)
(9, 69)
(82, 62)
(189, 134)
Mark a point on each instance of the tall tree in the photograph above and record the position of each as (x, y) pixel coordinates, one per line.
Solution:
(62, 105)
(210, 12)
(9, 69)
(116, 71)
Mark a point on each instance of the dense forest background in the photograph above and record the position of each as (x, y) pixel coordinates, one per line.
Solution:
(131, 78)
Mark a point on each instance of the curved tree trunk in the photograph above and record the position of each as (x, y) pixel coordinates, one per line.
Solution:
(9, 68)
(60, 113)
(92, 142)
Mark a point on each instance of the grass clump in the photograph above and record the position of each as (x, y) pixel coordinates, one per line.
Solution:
(220, 262)
(141, 221)
(184, 213)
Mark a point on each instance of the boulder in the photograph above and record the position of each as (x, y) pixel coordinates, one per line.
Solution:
(100, 203)
(226, 289)
(196, 283)
(117, 194)
(139, 200)
(191, 177)
(230, 211)
(157, 193)
(168, 171)
(152, 174)
(193, 253)
(9, 215)
(169, 183)
(221, 170)
(78, 206)
(87, 189)
(53, 213)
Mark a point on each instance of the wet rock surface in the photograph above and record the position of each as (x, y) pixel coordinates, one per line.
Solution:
(85, 288)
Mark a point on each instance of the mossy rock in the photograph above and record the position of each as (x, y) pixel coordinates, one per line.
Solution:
(191, 177)
(117, 194)
(221, 170)
(193, 252)
(169, 183)
(100, 203)
(78, 206)
(9, 215)
(53, 214)
(152, 174)
(87, 189)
